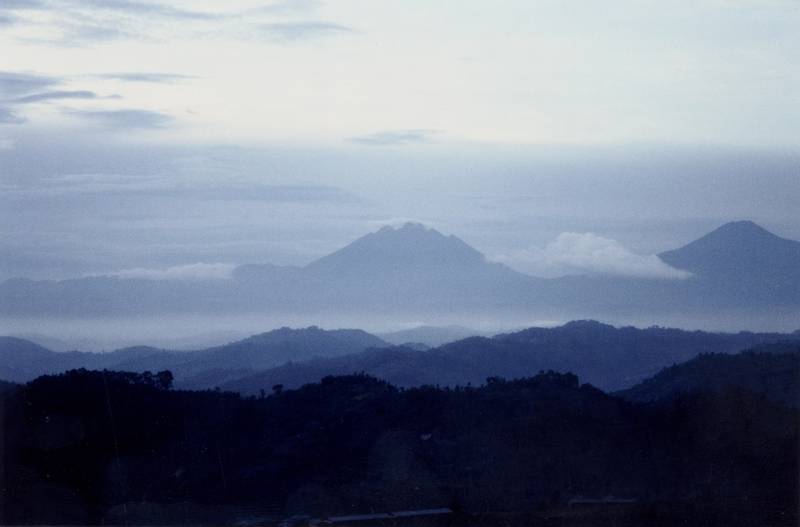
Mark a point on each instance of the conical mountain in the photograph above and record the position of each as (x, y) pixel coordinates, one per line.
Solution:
(740, 250)
(412, 245)
(415, 267)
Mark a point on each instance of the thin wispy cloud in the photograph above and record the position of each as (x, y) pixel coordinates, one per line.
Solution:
(14, 84)
(58, 95)
(83, 23)
(141, 8)
(126, 119)
(396, 137)
(286, 6)
(8, 116)
(303, 30)
(80, 33)
(20, 4)
(18, 90)
(79, 23)
(159, 78)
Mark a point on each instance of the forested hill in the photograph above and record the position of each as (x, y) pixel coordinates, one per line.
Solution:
(771, 370)
(105, 447)
(608, 357)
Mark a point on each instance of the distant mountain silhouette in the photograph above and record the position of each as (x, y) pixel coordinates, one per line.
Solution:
(739, 250)
(738, 267)
(416, 270)
(21, 360)
(605, 356)
(430, 335)
(213, 366)
(743, 260)
(772, 370)
(396, 250)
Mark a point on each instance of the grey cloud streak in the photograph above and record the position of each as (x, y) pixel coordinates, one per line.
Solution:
(160, 78)
(125, 6)
(302, 30)
(8, 116)
(14, 84)
(20, 4)
(58, 95)
(395, 137)
(20, 89)
(130, 118)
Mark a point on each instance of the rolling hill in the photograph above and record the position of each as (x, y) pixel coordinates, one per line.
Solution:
(607, 357)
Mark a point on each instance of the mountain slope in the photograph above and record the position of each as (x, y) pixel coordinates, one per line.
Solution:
(391, 250)
(772, 370)
(213, 366)
(737, 250)
(415, 269)
(742, 262)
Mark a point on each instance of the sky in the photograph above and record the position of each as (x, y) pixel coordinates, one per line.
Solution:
(191, 136)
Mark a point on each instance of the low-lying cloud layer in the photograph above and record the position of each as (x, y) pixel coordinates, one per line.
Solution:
(588, 253)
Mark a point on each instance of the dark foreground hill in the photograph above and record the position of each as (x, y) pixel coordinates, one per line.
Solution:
(772, 370)
(608, 357)
(117, 448)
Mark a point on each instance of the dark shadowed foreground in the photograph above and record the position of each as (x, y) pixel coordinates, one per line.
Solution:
(122, 448)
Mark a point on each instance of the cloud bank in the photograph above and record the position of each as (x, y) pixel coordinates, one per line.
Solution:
(588, 253)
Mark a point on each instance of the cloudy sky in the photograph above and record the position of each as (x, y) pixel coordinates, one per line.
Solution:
(550, 134)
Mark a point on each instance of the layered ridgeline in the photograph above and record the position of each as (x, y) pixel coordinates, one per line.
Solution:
(22, 360)
(528, 452)
(608, 357)
(419, 271)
